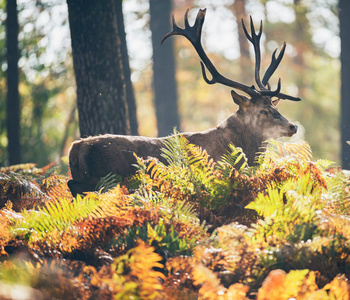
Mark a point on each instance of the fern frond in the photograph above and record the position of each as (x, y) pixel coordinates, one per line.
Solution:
(234, 158)
(276, 150)
(143, 195)
(338, 192)
(174, 150)
(116, 202)
(135, 273)
(164, 237)
(55, 215)
(266, 205)
(184, 211)
(290, 211)
(324, 163)
(108, 182)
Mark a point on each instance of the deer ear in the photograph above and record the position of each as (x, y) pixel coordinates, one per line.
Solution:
(275, 102)
(237, 98)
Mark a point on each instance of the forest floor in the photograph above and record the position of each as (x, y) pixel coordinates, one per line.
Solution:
(192, 229)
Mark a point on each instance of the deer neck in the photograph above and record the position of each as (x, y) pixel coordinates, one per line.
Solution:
(236, 129)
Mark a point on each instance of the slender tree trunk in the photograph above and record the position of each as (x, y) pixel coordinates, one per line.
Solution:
(301, 35)
(130, 96)
(240, 13)
(344, 12)
(164, 82)
(98, 67)
(12, 100)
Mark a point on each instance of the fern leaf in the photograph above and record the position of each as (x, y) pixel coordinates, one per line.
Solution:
(56, 215)
(235, 157)
(324, 163)
(266, 205)
(108, 182)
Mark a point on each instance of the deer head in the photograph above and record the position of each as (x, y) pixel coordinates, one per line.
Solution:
(258, 108)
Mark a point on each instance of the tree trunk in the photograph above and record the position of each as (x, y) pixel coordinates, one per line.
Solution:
(12, 100)
(164, 82)
(98, 67)
(240, 13)
(301, 35)
(130, 96)
(344, 12)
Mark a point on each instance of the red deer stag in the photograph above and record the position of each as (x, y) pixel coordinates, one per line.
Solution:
(256, 120)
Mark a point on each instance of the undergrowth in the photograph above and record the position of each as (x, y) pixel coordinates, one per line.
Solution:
(188, 229)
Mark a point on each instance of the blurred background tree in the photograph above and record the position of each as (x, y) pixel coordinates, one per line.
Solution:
(47, 96)
(129, 90)
(164, 83)
(310, 69)
(344, 11)
(12, 97)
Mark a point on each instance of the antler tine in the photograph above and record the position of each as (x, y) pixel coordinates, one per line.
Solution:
(193, 34)
(273, 65)
(272, 93)
(287, 97)
(255, 40)
(176, 30)
(278, 94)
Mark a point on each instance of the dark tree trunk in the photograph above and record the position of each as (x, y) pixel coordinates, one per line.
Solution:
(98, 67)
(12, 100)
(344, 12)
(130, 96)
(163, 68)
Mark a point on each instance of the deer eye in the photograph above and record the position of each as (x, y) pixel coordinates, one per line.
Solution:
(264, 112)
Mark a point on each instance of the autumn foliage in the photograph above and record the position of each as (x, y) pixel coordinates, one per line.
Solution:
(190, 229)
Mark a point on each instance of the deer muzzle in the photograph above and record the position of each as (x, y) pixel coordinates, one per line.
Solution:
(292, 129)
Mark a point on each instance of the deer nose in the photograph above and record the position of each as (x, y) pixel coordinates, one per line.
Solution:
(293, 128)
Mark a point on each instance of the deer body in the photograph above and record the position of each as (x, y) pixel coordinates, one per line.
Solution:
(256, 120)
(95, 157)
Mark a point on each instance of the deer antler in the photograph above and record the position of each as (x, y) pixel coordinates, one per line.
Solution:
(274, 64)
(194, 33)
(255, 40)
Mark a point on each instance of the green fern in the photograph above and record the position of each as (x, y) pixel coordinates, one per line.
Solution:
(178, 210)
(108, 182)
(266, 205)
(324, 163)
(184, 212)
(191, 173)
(338, 192)
(189, 168)
(177, 151)
(164, 238)
(235, 158)
(277, 152)
(53, 216)
(290, 212)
